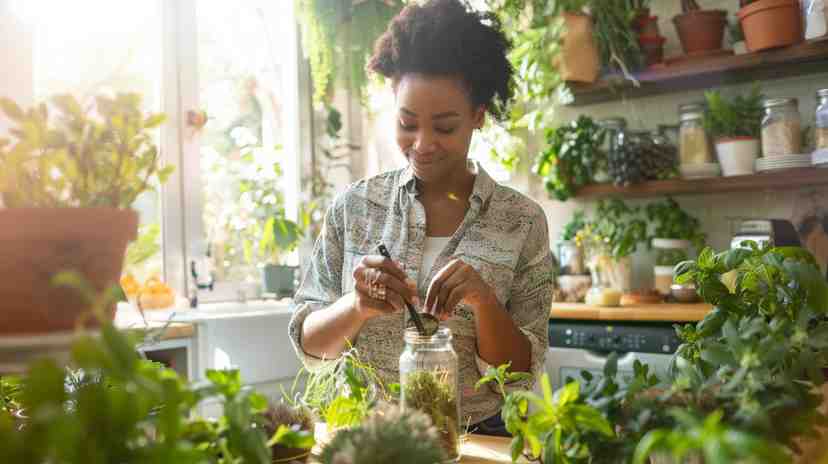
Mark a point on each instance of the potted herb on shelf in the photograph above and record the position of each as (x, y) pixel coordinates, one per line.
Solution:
(292, 432)
(771, 23)
(578, 60)
(280, 237)
(572, 157)
(68, 179)
(735, 124)
(700, 31)
(675, 231)
(609, 240)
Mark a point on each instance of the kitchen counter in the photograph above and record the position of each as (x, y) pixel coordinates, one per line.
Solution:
(128, 319)
(664, 312)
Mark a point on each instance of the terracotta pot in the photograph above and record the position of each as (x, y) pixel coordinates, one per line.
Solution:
(771, 23)
(38, 243)
(653, 49)
(701, 31)
(647, 26)
(578, 60)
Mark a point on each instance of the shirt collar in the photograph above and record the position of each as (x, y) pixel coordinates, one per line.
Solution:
(483, 187)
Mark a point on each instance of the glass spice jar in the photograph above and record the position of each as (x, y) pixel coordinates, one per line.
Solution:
(429, 382)
(694, 145)
(612, 127)
(781, 127)
(821, 129)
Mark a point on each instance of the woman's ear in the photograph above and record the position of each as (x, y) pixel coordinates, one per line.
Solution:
(479, 117)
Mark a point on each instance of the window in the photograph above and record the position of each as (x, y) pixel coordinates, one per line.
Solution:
(238, 61)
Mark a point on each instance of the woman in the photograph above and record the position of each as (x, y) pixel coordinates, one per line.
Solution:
(471, 252)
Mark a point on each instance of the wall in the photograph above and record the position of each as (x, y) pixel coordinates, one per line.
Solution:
(16, 63)
(716, 212)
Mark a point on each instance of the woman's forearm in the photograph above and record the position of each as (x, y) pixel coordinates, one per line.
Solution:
(499, 341)
(329, 332)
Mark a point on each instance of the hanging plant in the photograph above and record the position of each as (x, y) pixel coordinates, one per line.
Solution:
(346, 29)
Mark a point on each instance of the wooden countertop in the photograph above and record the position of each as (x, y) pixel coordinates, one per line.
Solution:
(666, 312)
(131, 320)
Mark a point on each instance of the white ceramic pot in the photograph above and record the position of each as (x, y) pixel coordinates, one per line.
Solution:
(737, 155)
(671, 244)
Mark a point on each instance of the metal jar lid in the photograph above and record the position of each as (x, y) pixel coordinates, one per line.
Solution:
(777, 102)
(822, 93)
(691, 111)
(613, 123)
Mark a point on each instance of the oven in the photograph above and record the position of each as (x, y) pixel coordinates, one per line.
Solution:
(576, 346)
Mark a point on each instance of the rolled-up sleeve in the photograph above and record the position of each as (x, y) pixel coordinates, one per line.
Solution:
(322, 283)
(531, 298)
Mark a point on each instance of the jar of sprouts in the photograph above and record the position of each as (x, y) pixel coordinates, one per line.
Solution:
(429, 382)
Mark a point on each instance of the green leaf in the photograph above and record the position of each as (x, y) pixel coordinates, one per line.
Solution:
(11, 109)
(292, 437)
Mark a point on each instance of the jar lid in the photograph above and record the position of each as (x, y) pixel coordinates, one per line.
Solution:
(613, 123)
(693, 107)
(775, 102)
(413, 337)
(694, 116)
(822, 93)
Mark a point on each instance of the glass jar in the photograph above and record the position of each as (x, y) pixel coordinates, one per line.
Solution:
(571, 258)
(821, 129)
(694, 145)
(612, 127)
(429, 382)
(781, 127)
(604, 290)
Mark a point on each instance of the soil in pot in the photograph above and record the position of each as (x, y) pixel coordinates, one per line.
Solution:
(701, 31)
(771, 24)
(36, 244)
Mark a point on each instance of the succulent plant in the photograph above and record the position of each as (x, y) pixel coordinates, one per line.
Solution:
(389, 434)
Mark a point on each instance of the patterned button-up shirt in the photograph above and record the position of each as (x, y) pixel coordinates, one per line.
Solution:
(503, 236)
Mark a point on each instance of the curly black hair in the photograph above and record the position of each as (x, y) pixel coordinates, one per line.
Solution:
(447, 37)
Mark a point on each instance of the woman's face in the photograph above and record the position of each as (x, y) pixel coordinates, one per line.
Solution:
(435, 122)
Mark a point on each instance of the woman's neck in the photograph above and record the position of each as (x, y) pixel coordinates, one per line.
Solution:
(454, 186)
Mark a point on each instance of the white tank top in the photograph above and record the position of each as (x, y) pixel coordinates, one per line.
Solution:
(433, 247)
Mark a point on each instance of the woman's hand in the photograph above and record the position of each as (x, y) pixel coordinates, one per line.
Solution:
(381, 287)
(457, 283)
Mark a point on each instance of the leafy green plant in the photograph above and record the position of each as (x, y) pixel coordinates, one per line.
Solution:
(618, 229)
(554, 431)
(335, 28)
(10, 391)
(571, 158)
(432, 392)
(388, 434)
(575, 224)
(617, 41)
(709, 438)
(740, 116)
(281, 236)
(758, 356)
(69, 156)
(670, 221)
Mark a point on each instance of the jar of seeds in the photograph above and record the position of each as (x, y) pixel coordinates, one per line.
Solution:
(694, 145)
(781, 127)
(821, 126)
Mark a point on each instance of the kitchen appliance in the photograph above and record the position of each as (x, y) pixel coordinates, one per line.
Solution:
(576, 346)
(777, 232)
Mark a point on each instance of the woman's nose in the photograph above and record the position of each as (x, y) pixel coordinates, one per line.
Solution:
(424, 142)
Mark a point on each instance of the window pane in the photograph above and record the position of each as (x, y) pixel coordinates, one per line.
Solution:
(90, 47)
(241, 72)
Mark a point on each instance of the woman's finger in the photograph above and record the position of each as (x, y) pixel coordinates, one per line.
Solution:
(437, 283)
(367, 274)
(455, 297)
(387, 265)
(445, 307)
(393, 301)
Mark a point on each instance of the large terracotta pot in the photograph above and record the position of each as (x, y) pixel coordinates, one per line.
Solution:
(578, 61)
(771, 23)
(701, 30)
(38, 243)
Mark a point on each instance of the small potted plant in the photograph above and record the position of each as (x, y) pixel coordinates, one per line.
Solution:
(735, 126)
(573, 156)
(675, 231)
(771, 23)
(609, 241)
(68, 179)
(290, 430)
(700, 30)
(578, 60)
(388, 434)
(281, 236)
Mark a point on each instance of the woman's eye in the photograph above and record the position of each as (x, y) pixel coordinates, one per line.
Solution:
(406, 127)
(444, 130)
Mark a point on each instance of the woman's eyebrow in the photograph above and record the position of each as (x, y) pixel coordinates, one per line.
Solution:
(447, 114)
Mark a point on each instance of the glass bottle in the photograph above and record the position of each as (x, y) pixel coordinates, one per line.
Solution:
(612, 127)
(429, 382)
(694, 145)
(781, 127)
(822, 121)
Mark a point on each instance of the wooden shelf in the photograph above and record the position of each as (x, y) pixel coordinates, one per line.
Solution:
(799, 60)
(665, 312)
(778, 180)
